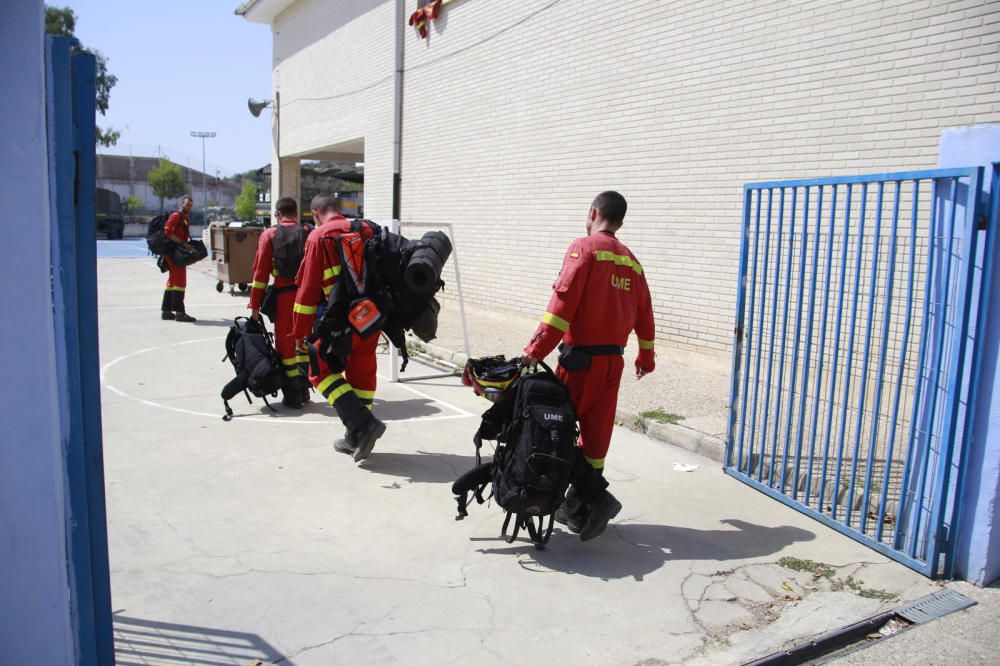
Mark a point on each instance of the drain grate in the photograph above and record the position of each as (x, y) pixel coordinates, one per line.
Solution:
(934, 606)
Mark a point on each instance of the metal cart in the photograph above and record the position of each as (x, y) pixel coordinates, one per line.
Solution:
(233, 250)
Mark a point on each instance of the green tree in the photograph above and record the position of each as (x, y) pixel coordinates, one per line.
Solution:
(133, 203)
(246, 202)
(166, 180)
(61, 21)
(211, 203)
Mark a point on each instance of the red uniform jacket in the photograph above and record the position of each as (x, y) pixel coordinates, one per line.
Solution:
(318, 272)
(177, 225)
(600, 297)
(263, 264)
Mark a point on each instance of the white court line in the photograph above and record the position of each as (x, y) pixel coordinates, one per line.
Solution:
(461, 413)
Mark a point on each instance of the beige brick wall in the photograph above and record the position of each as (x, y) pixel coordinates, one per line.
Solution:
(333, 65)
(516, 114)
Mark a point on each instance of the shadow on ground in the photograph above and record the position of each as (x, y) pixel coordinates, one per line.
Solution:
(148, 642)
(636, 549)
(420, 467)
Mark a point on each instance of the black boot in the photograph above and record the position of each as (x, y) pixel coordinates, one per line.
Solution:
(179, 314)
(599, 512)
(166, 309)
(572, 512)
(365, 437)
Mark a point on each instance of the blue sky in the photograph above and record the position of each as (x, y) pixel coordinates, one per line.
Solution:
(182, 65)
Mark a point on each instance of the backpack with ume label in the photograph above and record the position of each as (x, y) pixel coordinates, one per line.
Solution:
(288, 248)
(156, 239)
(535, 426)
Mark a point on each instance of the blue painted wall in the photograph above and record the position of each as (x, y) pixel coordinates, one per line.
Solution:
(978, 549)
(35, 618)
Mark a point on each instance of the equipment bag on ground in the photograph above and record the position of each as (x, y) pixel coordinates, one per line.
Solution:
(250, 348)
(535, 427)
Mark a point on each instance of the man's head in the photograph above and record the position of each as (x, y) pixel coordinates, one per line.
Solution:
(323, 206)
(287, 209)
(607, 212)
(187, 203)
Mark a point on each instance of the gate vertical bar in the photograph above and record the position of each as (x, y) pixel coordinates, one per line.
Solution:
(738, 330)
(944, 282)
(760, 345)
(904, 348)
(862, 388)
(84, 70)
(938, 536)
(798, 331)
(849, 364)
(883, 353)
(836, 351)
(991, 221)
(912, 437)
(751, 331)
(784, 328)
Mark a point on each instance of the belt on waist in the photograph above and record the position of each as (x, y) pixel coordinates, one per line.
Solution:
(596, 350)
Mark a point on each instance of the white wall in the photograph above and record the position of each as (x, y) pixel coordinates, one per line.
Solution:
(515, 117)
(35, 624)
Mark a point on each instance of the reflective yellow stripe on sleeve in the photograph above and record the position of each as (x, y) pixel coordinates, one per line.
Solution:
(331, 273)
(304, 309)
(619, 259)
(645, 344)
(257, 284)
(555, 322)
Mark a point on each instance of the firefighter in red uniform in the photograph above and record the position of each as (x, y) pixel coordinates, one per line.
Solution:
(350, 389)
(176, 229)
(279, 253)
(600, 296)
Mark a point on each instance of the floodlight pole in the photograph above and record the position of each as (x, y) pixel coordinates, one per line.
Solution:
(204, 178)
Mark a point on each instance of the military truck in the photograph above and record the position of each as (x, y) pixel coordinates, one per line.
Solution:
(108, 208)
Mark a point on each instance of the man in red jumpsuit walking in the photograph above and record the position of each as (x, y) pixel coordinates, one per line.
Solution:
(600, 296)
(279, 253)
(176, 229)
(350, 388)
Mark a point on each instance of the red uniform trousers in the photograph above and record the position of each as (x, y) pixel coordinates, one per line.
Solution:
(173, 294)
(594, 392)
(284, 342)
(358, 376)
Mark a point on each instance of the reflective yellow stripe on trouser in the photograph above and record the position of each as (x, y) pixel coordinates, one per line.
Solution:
(292, 365)
(596, 463)
(333, 388)
(367, 398)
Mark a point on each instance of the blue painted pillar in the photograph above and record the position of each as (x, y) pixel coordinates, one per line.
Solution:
(977, 554)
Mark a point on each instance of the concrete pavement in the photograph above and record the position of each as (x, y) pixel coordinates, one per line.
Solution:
(233, 542)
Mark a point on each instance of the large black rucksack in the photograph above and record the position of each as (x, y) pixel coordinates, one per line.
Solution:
(535, 426)
(288, 249)
(250, 348)
(156, 240)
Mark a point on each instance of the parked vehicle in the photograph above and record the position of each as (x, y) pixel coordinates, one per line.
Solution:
(108, 209)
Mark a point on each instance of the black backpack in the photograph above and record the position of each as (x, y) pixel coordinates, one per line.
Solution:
(250, 348)
(156, 240)
(288, 248)
(535, 426)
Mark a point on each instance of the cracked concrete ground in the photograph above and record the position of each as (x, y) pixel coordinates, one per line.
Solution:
(254, 540)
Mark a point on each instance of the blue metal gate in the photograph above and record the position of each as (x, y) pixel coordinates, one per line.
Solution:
(852, 361)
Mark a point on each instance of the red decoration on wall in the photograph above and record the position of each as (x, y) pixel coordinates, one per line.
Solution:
(421, 18)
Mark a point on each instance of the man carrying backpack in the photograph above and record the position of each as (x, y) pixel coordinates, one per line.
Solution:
(350, 386)
(600, 296)
(279, 253)
(176, 229)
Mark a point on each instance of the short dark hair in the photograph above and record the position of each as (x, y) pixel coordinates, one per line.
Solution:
(186, 197)
(324, 202)
(287, 207)
(611, 206)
